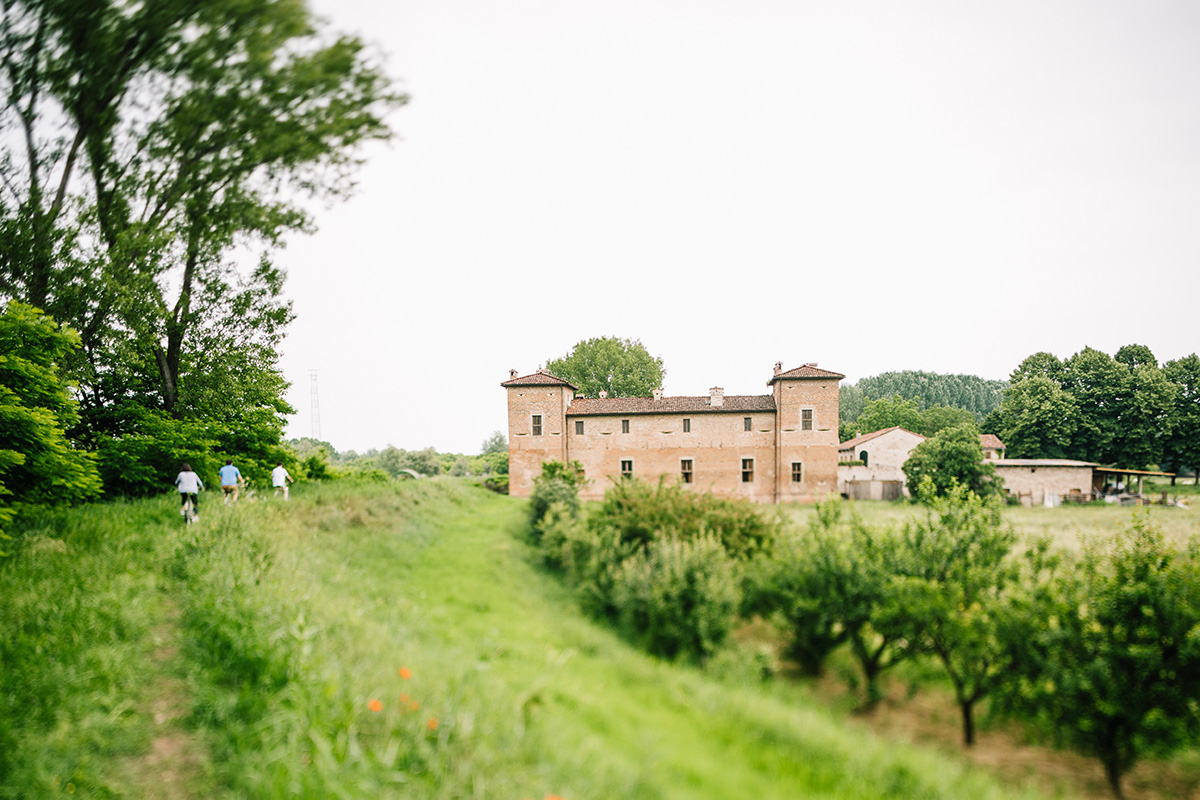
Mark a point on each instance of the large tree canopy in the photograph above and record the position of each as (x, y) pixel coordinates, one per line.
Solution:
(153, 156)
(621, 367)
(1123, 410)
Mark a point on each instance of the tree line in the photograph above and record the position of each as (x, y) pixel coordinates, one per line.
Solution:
(1126, 409)
(154, 157)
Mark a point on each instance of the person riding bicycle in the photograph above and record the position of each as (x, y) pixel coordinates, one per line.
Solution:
(231, 480)
(190, 485)
(280, 478)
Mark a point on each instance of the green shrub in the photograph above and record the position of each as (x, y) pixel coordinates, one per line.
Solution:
(678, 598)
(558, 483)
(642, 512)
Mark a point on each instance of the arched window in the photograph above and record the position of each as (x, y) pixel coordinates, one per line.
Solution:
(862, 456)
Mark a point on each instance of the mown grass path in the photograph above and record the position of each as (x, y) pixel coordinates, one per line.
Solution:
(531, 698)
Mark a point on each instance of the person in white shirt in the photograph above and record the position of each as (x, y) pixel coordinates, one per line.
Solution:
(280, 479)
(189, 484)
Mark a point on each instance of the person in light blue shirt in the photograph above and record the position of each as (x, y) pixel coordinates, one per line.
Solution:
(231, 481)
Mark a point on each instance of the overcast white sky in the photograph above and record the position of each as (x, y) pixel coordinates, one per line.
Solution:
(872, 186)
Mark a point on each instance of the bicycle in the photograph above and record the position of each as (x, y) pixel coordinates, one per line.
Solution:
(189, 510)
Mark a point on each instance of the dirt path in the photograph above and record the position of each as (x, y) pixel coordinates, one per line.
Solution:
(177, 764)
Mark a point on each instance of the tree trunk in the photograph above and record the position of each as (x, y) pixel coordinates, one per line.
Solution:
(968, 720)
(1113, 772)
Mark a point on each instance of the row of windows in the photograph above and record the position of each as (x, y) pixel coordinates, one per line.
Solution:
(687, 470)
(806, 423)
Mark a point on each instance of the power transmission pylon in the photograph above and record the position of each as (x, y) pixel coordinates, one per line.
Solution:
(316, 406)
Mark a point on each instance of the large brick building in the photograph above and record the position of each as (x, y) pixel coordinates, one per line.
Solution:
(778, 447)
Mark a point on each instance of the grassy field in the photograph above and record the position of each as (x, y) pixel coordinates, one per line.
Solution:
(392, 641)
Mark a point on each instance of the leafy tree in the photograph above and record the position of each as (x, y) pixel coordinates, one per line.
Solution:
(935, 418)
(1039, 365)
(496, 443)
(887, 413)
(1113, 667)
(621, 367)
(960, 571)
(155, 139)
(975, 394)
(1037, 419)
(1182, 447)
(952, 456)
(38, 466)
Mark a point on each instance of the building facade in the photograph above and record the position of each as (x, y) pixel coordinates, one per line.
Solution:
(778, 447)
(876, 464)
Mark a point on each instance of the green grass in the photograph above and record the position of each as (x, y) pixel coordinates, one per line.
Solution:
(294, 617)
(1067, 525)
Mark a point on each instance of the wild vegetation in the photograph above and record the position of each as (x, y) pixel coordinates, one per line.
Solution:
(382, 640)
(1035, 627)
(154, 157)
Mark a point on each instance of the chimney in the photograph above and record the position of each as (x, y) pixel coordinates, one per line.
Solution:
(716, 397)
(603, 394)
(512, 374)
(778, 368)
(658, 393)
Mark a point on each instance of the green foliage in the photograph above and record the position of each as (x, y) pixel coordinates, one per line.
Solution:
(959, 573)
(495, 444)
(557, 486)
(621, 367)
(811, 584)
(887, 413)
(953, 456)
(1181, 449)
(145, 460)
(157, 141)
(678, 598)
(1038, 419)
(38, 466)
(1093, 407)
(641, 512)
(1112, 664)
(974, 394)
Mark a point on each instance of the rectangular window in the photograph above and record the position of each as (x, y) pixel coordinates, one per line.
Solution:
(685, 470)
(537, 425)
(748, 423)
(626, 468)
(806, 419)
(687, 426)
(747, 470)
(579, 427)
(624, 426)
(797, 472)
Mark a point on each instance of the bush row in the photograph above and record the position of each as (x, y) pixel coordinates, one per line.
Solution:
(1102, 648)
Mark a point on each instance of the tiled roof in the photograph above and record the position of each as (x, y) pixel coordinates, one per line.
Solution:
(539, 378)
(808, 371)
(850, 444)
(990, 441)
(601, 406)
(1040, 462)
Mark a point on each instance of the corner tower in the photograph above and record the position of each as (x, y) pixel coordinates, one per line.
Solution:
(537, 426)
(806, 431)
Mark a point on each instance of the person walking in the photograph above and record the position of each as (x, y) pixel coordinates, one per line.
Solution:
(231, 480)
(189, 484)
(280, 480)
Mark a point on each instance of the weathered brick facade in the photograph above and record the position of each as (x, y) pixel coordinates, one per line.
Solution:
(780, 447)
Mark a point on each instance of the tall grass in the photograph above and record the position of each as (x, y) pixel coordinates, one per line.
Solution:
(386, 641)
(80, 597)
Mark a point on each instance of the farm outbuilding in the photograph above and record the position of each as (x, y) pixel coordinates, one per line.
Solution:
(871, 466)
(1046, 481)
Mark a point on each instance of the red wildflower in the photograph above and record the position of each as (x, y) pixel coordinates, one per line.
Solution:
(375, 706)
